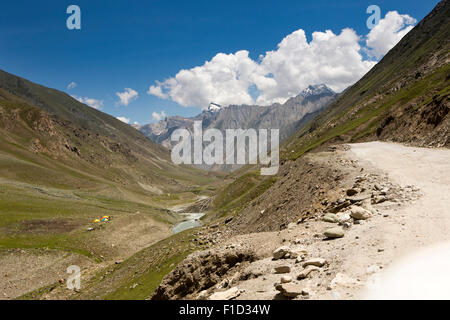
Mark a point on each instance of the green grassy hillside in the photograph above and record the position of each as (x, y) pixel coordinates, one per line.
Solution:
(63, 164)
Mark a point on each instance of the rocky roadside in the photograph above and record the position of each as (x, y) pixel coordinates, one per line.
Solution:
(330, 254)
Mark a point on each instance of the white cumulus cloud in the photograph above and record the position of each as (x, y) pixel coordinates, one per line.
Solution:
(157, 91)
(71, 85)
(388, 32)
(158, 116)
(123, 119)
(333, 59)
(127, 96)
(94, 103)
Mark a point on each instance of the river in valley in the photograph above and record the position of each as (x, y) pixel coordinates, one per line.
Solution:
(191, 220)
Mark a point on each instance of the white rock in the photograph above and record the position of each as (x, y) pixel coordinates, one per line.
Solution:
(317, 262)
(226, 295)
(203, 295)
(344, 217)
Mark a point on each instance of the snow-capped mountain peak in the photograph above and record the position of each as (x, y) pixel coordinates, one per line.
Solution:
(314, 90)
(214, 107)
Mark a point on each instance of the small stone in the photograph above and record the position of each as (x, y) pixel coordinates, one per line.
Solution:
(283, 269)
(203, 295)
(331, 218)
(359, 213)
(289, 290)
(306, 272)
(377, 200)
(226, 295)
(134, 286)
(346, 225)
(317, 262)
(334, 233)
(286, 279)
(344, 217)
(368, 206)
(280, 252)
(351, 192)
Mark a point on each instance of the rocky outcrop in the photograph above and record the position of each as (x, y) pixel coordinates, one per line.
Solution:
(201, 271)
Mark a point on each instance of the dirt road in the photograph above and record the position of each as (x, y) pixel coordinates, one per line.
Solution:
(380, 257)
(424, 223)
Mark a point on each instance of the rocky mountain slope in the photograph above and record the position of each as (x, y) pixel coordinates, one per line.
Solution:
(288, 117)
(63, 165)
(74, 144)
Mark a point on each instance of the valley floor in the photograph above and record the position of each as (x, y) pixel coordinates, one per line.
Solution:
(406, 190)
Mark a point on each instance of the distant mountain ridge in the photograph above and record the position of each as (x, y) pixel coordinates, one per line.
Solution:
(288, 117)
(73, 144)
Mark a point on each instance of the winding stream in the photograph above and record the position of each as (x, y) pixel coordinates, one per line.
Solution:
(192, 220)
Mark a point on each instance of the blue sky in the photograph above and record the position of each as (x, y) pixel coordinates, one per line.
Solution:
(132, 44)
